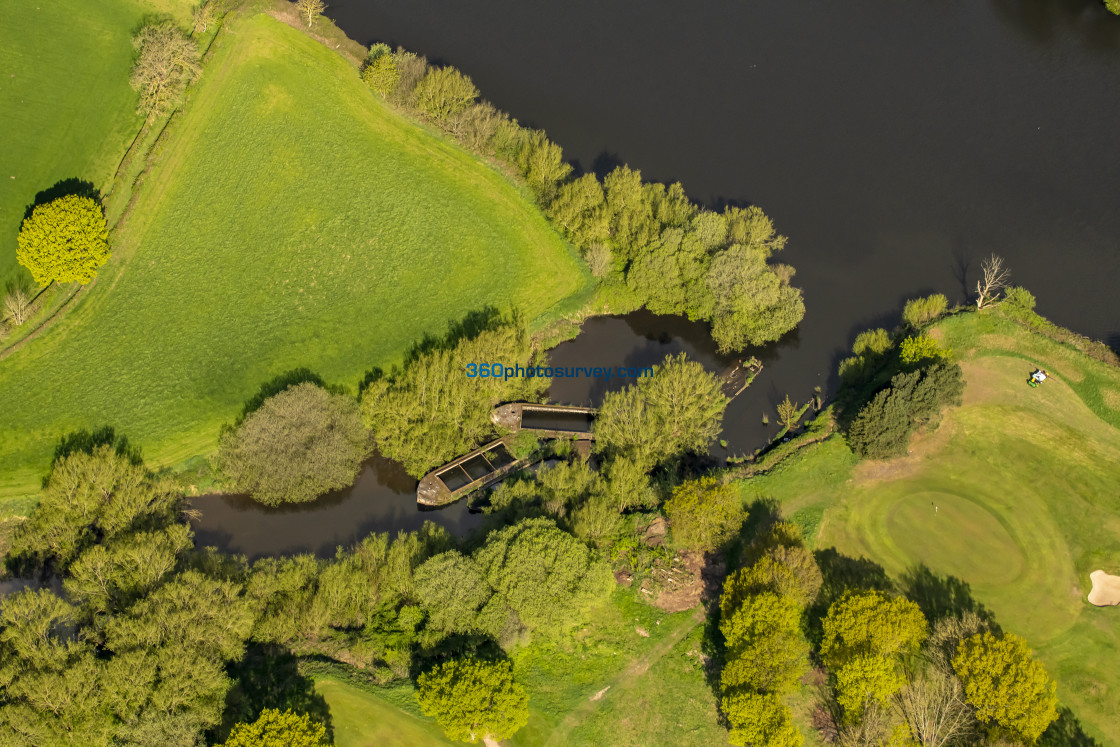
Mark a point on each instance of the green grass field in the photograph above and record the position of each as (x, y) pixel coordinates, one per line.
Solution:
(1017, 493)
(290, 219)
(362, 719)
(68, 109)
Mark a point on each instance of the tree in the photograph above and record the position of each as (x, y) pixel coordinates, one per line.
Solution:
(167, 62)
(380, 72)
(545, 575)
(91, 497)
(443, 93)
(704, 514)
(472, 699)
(760, 720)
(300, 444)
(788, 413)
(883, 426)
(918, 312)
(454, 591)
(754, 302)
(1006, 685)
(64, 240)
(677, 409)
(277, 728)
(994, 276)
(867, 635)
(310, 9)
(935, 709)
(1113, 6)
(17, 305)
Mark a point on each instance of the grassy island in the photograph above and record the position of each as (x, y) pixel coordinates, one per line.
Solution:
(289, 219)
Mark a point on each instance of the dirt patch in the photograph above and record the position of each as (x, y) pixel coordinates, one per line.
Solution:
(599, 695)
(1106, 589)
(656, 531)
(690, 580)
(923, 445)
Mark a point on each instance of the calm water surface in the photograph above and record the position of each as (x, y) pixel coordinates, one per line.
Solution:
(897, 144)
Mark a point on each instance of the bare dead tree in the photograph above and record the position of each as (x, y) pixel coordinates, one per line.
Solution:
(167, 63)
(995, 276)
(311, 9)
(936, 710)
(17, 305)
(204, 15)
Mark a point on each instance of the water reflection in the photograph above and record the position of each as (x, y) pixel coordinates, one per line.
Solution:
(382, 500)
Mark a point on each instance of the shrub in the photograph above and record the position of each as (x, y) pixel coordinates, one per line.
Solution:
(412, 68)
(760, 719)
(300, 444)
(443, 93)
(704, 514)
(919, 348)
(919, 312)
(17, 305)
(64, 240)
(475, 126)
(1113, 6)
(380, 72)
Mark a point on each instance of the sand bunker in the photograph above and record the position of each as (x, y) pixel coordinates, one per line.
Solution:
(1106, 589)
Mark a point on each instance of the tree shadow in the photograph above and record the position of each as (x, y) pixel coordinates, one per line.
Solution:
(63, 188)
(940, 597)
(842, 574)
(268, 677)
(1066, 732)
(455, 646)
(87, 442)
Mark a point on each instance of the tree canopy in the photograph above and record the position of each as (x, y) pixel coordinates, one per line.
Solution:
(277, 728)
(65, 240)
(1006, 685)
(471, 699)
(298, 445)
(677, 409)
(704, 514)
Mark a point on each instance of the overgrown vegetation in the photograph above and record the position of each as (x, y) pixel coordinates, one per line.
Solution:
(299, 444)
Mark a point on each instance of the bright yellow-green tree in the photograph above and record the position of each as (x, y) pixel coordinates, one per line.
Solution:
(471, 699)
(919, 348)
(1008, 688)
(760, 719)
(64, 240)
(277, 728)
(704, 514)
(866, 636)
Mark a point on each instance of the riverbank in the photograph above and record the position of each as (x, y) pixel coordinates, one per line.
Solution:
(1015, 494)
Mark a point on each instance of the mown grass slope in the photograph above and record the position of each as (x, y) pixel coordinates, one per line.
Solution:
(362, 719)
(1017, 493)
(290, 220)
(68, 111)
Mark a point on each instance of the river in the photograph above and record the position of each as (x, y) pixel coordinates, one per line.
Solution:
(896, 144)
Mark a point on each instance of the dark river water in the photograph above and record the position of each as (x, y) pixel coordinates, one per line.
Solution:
(895, 143)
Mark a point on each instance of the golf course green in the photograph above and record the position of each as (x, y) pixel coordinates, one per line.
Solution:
(289, 219)
(1017, 493)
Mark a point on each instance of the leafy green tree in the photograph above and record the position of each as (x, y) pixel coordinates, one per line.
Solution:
(754, 302)
(869, 351)
(918, 348)
(759, 719)
(91, 497)
(300, 444)
(883, 426)
(627, 485)
(277, 728)
(677, 409)
(412, 69)
(704, 514)
(791, 572)
(579, 208)
(443, 93)
(380, 72)
(310, 9)
(1113, 6)
(1009, 689)
(472, 699)
(547, 576)
(867, 635)
(167, 61)
(453, 590)
(918, 312)
(64, 240)
(431, 410)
